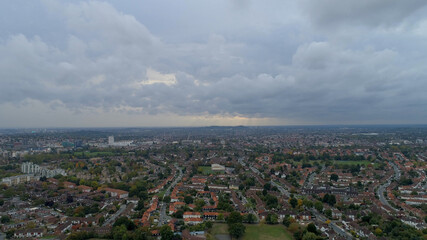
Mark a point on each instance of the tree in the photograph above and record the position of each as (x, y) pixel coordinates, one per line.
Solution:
(332, 200)
(5, 219)
(287, 221)
(70, 199)
(235, 217)
(312, 228)
(101, 220)
(328, 213)
(293, 227)
(293, 202)
(334, 177)
(236, 230)
(119, 232)
(166, 232)
(309, 236)
(81, 235)
(178, 214)
(249, 218)
(199, 204)
(378, 232)
(318, 205)
(9, 234)
(167, 199)
(188, 199)
(140, 234)
(208, 224)
(272, 218)
(308, 203)
(129, 224)
(329, 199)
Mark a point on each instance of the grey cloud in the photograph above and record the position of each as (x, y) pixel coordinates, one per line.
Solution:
(104, 61)
(373, 13)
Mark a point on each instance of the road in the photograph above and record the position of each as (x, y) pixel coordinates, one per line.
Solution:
(382, 188)
(163, 217)
(115, 215)
(250, 166)
(334, 226)
(245, 201)
(309, 183)
(241, 161)
(281, 188)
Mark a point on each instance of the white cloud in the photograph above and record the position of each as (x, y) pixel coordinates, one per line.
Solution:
(154, 77)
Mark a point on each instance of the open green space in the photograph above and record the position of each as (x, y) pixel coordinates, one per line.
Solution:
(93, 154)
(49, 237)
(256, 231)
(363, 162)
(341, 162)
(206, 170)
(219, 228)
(266, 232)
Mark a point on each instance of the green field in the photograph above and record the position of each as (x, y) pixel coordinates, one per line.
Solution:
(361, 162)
(219, 228)
(266, 232)
(364, 162)
(256, 232)
(93, 154)
(206, 170)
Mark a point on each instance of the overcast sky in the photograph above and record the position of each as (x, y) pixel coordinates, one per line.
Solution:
(225, 62)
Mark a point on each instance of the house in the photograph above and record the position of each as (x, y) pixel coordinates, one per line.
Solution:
(351, 215)
(82, 220)
(84, 188)
(69, 185)
(305, 216)
(336, 214)
(186, 235)
(193, 221)
(29, 233)
(288, 213)
(155, 233)
(191, 215)
(62, 228)
(101, 231)
(117, 193)
(209, 208)
(210, 215)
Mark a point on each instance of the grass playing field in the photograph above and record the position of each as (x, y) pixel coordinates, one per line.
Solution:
(266, 232)
(256, 232)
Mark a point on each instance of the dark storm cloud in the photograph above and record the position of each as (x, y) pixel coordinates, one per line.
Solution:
(276, 67)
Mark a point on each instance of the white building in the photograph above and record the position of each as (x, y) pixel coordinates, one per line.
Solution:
(15, 180)
(217, 167)
(111, 140)
(31, 168)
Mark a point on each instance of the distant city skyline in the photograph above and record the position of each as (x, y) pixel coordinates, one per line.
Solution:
(230, 62)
